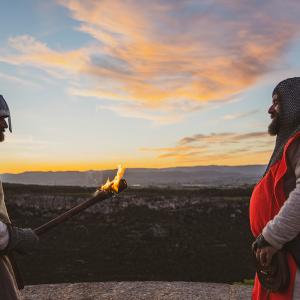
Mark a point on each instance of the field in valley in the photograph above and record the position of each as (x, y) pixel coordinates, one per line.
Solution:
(160, 234)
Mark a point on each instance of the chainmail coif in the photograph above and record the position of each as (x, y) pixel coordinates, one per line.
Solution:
(288, 91)
(4, 111)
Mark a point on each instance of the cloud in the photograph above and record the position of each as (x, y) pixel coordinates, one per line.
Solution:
(240, 115)
(28, 143)
(216, 148)
(169, 112)
(170, 49)
(158, 52)
(18, 80)
(139, 112)
(26, 50)
(179, 153)
(227, 137)
(27, 147)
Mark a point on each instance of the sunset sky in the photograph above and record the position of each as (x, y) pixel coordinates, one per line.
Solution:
(92, 84)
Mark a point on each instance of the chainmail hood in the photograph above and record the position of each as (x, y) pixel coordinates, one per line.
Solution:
(288, 91)
(4, 111)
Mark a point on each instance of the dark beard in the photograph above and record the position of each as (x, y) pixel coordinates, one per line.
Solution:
(274, 126)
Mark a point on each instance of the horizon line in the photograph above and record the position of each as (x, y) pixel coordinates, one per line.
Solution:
(156, 168)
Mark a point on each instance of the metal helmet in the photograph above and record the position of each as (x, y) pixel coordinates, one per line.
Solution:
(4, 111)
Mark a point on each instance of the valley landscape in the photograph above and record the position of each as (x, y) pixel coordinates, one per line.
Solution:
(145, 233)
(199, 176)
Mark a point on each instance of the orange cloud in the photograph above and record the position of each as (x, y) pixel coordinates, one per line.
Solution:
(172, 50)
(218, 148)
(157, 52)
(31, 52)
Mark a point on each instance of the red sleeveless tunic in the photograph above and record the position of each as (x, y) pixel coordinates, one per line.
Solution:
(266, 200)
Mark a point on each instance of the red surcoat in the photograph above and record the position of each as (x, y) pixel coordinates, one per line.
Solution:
(267, 198)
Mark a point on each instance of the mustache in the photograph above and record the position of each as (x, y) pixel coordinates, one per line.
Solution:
(274, 115)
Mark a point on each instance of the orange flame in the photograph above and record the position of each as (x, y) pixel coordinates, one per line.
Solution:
(113, 186)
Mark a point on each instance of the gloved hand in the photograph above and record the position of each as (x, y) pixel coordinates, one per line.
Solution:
(22, 240)
(263, 251)
(259, 243)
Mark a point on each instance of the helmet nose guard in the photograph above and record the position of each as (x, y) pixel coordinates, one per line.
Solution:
(4, 111)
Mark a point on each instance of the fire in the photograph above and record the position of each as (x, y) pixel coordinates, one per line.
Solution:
(113, 186)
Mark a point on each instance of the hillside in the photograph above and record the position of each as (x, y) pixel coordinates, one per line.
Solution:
(144, 234)
(174, 177)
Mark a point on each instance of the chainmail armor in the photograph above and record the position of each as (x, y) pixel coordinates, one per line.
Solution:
(4, 111)
(288, 91)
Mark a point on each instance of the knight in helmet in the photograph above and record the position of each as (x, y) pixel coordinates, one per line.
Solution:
(275, 201)
(12, 238)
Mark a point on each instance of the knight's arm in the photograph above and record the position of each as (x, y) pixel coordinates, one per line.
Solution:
(286, 224)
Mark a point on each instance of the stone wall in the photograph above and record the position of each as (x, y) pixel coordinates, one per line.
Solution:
(137, 290)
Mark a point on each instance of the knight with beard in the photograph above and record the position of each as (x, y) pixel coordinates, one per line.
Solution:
(275, 201)
(12, 238)
(274, 109)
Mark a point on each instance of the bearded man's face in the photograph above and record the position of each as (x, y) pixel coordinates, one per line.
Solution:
(274, 112)
(3, 126)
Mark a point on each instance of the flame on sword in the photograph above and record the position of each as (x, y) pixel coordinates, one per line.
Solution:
(113, 186)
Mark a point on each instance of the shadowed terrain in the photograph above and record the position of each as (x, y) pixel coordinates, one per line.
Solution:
(153, 234)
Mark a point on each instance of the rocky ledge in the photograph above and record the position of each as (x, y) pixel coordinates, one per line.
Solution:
(137, 290)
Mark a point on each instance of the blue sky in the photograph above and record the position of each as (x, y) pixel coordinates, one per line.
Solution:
(92, 84)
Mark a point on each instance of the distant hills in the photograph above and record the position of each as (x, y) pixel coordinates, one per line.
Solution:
(179, 176)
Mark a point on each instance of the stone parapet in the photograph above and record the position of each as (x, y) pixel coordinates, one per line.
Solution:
(148, 290)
